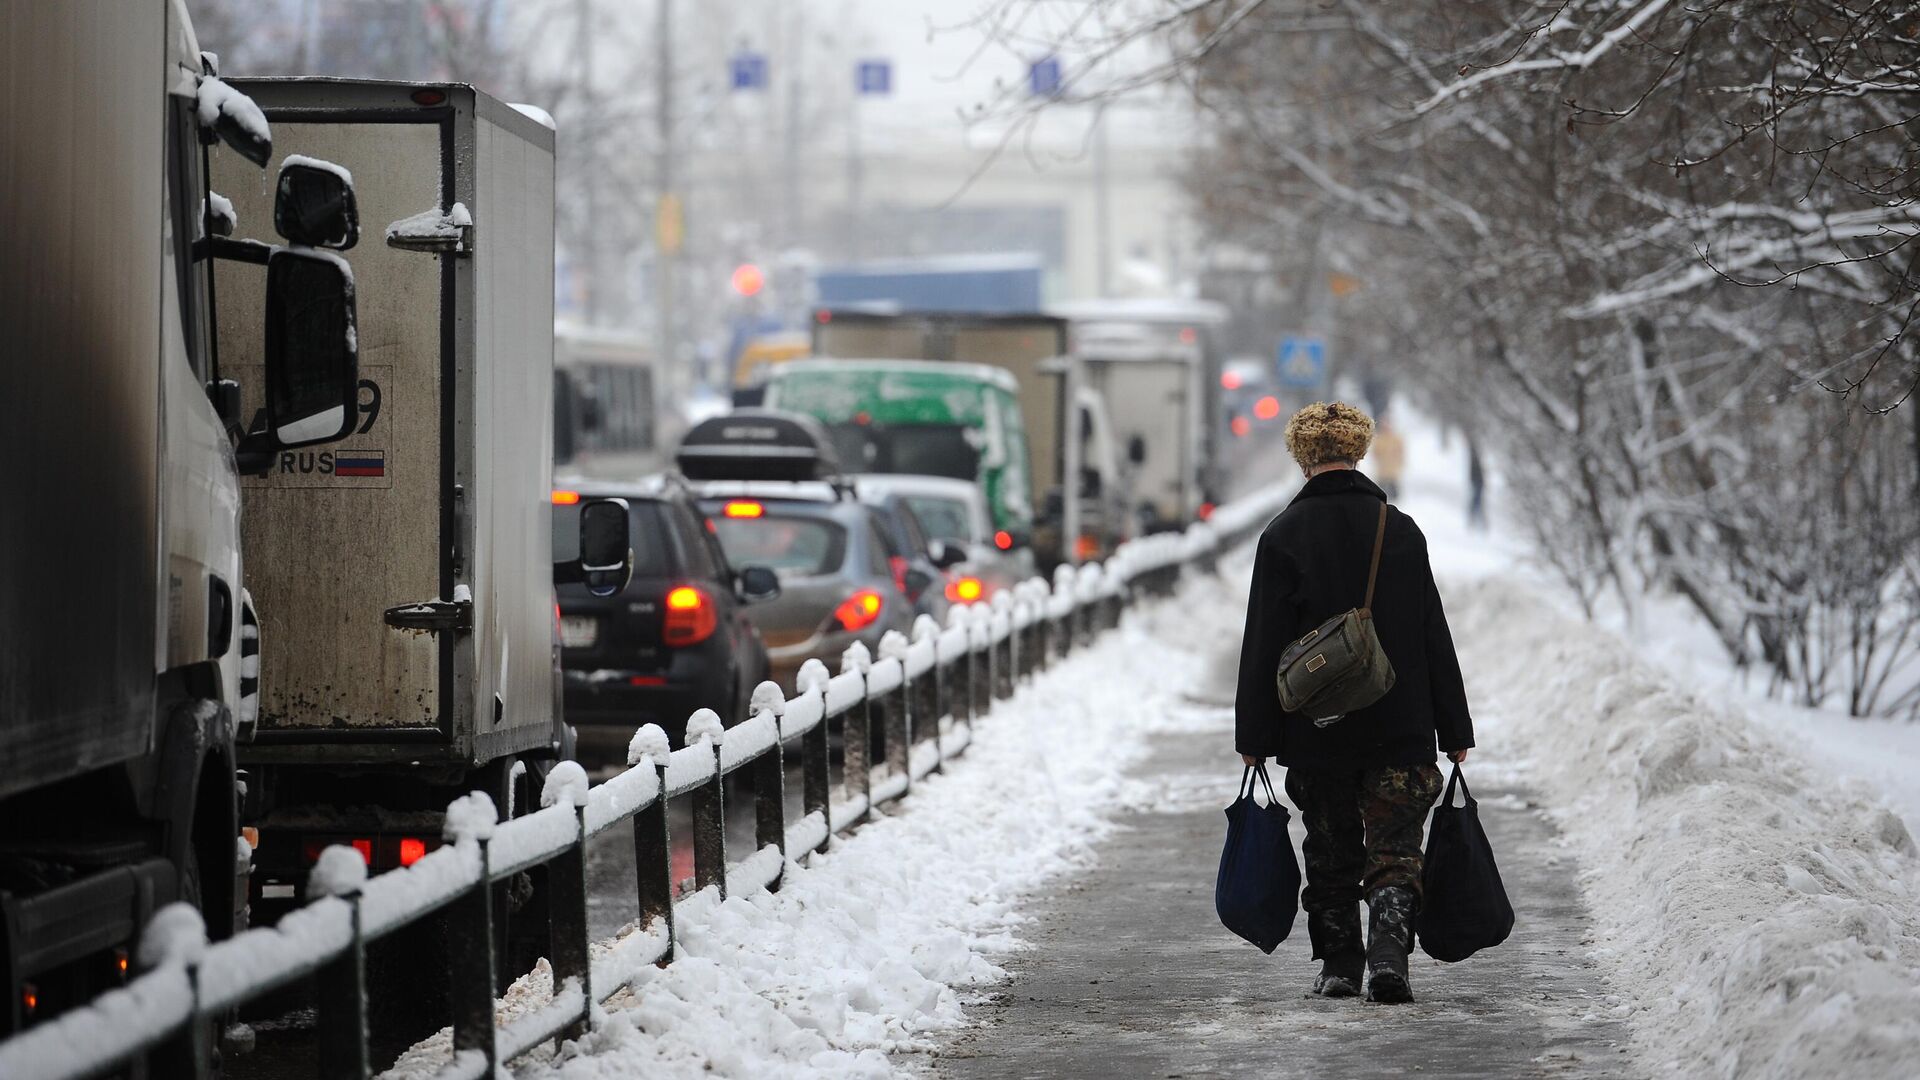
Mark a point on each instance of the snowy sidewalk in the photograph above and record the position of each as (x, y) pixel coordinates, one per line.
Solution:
(1131, 975)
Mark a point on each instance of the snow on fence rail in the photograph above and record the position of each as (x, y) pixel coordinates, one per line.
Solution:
(920, 696)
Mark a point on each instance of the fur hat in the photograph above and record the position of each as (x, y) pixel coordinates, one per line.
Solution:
(1328, 431)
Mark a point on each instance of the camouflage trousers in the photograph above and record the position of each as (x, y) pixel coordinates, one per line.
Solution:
(1363, 833)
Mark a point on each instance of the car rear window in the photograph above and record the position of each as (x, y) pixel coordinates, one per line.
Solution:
(653, 553)
(920, 449)
(944, 519)
(794, 545)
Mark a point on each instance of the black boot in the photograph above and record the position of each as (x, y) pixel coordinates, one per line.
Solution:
(1335, 934)
(1390, 936)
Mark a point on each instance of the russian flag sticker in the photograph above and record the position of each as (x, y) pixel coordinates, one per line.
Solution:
(360, 463)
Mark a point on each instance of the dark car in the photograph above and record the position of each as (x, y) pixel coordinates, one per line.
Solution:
(919, 562)
(676, 639)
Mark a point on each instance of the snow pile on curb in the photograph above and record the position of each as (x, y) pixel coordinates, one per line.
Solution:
(1757, 920)
(860, 953)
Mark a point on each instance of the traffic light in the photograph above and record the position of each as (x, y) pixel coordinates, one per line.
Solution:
(748, 279)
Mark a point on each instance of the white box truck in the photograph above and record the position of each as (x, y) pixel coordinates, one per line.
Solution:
(408, 626)
(125, 629)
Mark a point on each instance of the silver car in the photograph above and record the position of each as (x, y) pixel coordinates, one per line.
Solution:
(837, 585)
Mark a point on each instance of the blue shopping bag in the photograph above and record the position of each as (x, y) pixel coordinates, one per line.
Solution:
(1258, 891)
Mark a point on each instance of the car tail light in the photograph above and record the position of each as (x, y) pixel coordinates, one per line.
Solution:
(1003, 540)
(412, 848)
(741, 508)
(859, 611)
(691, 618)
(898, 563)
(1206, 511)
(965, 590)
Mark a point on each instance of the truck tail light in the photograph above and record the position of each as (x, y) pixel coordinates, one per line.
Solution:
(412, 849)
(1206, 511)
(965, 590)
(691, 617)
(566, 498)
(1086, 547)
(741, 508)
(859, 611)
(1003, 540)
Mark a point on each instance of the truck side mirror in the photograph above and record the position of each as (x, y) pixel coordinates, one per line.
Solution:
(313, 204)
(758, 584)
(236, 119)
(312, 356)
(606, 546)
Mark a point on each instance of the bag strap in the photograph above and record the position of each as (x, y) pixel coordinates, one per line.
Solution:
(1373, 570)
(1456, 778)
(1247, 780)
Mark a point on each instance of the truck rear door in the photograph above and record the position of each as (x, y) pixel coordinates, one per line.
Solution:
(336, 535)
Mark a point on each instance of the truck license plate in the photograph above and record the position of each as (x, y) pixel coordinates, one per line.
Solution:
(579, 631)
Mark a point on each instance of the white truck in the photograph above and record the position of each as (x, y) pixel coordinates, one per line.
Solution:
(126, 632)
(1152, 362)
(408, 623)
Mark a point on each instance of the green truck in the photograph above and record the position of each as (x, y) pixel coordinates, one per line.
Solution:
(920, 416)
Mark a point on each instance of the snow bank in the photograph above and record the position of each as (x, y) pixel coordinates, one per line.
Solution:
(864, 950)
(1758, 919)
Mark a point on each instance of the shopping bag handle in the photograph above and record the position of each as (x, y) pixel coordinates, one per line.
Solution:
(1456, 778)
(1245, 790)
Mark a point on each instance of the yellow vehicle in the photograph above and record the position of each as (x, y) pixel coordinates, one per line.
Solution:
(764, 353)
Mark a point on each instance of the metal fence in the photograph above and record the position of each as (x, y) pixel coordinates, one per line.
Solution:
(917, 700)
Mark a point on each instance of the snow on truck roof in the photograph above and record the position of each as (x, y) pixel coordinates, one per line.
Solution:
(1141, 309)
(880, 485)
(986, 373)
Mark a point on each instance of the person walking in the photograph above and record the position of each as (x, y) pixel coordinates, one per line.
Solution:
(1363, 781)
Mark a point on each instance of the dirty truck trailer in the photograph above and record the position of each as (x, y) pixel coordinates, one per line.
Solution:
(408, 643)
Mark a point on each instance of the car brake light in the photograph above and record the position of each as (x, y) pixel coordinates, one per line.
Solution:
(899, 565)
(859, 611)
(565, 498)
(1206, 511)
(411, 850)
(742, 509)
(965, 590)
(1003, 540)
(691, 618)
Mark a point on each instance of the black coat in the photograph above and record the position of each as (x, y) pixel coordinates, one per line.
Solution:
(1311, 566)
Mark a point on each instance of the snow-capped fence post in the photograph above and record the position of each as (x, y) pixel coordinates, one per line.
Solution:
(897, 715)
(652, 846)
(769, 772)
(340, 987)
(816, 796)
(856, 735)
(926, 686)
(709, 806)
(1000, 640)
(959, 683)
(1065, 607)
(176, 935)
(980, 663)
(567, 892)
(470, 819)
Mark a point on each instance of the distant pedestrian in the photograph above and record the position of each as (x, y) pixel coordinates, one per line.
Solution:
(1476, 487)
(1364, 781)
(1389, 456)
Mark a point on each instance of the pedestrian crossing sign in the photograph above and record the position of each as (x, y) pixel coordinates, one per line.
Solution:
(1302, 362)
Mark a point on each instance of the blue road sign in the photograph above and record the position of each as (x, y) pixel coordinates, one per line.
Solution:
(873, 77)
(1044, 77)
(749, 70)
(1301, 363)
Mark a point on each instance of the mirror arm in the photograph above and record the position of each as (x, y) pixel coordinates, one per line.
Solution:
(254, 454)
(225, 247)
(569, 572)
